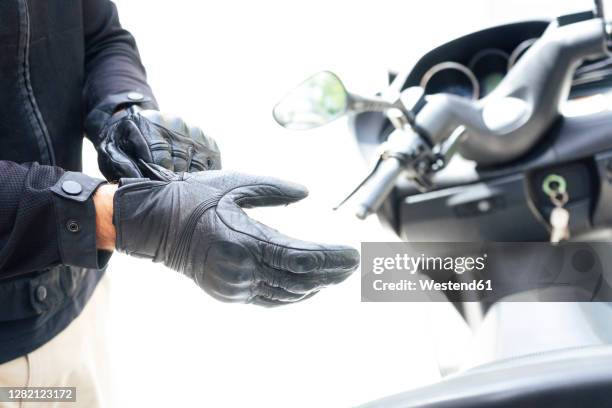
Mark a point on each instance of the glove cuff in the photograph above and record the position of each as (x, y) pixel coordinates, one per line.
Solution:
(99, 116)
(134, 217)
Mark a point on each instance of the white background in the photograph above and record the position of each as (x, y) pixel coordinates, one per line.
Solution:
(223, 65)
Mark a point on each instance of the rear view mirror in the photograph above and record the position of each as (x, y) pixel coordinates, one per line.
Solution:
(317, 101)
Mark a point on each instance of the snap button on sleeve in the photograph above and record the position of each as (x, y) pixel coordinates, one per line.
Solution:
(72, 187)
(135, 96)
(41, 293)
(76, 217)
(73, 226)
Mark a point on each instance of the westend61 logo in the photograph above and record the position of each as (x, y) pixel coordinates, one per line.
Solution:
(423, 263)
(486, 271)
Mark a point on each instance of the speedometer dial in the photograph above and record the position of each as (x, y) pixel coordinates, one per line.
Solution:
(450, 77)
(490, 67)
(519, 51)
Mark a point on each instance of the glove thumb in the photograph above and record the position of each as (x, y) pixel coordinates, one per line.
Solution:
(157, 172)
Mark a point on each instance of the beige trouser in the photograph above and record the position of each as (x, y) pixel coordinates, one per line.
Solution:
(76, 357)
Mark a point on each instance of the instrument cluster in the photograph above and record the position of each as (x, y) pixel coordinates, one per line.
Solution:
(473, 65)
(476, 79)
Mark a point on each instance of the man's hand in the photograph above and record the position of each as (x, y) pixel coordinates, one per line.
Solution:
(105, 230)
(194, 224)
(134, 135)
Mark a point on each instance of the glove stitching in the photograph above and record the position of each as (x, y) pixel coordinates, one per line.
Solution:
(193, 142)
(310, 277)
(280, 194)
(276, 258)
(196, 275)
(117, 215)
(159, 144)
(271, 292)
(197, 166)
(262, 301)
(179, 153)
(196, 162)
(189, 153)
(177, 258)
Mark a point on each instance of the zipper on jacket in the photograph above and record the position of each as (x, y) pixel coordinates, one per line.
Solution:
(39, 128)
(177, 257)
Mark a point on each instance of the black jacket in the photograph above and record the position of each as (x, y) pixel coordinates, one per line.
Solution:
(65, 67)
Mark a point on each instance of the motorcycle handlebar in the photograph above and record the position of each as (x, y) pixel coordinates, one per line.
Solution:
(508, 122)
(380, 184)
(511, 120)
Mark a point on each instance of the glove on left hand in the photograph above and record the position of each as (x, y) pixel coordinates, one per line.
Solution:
(134, 134)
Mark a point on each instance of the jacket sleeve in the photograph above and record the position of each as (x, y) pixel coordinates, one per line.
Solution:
(47, 218)
(114, 75)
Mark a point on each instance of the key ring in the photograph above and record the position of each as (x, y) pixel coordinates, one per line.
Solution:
(554, 184)
(559, 199)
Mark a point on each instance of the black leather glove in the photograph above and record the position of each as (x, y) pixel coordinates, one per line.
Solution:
(134, 134)
(194, 224)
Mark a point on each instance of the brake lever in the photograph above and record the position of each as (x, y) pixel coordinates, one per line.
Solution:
(400, 121)
(413, 156)
(444, 152)
(361, 184)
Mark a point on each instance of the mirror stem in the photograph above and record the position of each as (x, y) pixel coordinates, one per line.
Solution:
(359, 104)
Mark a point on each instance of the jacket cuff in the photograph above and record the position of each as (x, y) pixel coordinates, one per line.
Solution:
(76, 221)
(97, 118)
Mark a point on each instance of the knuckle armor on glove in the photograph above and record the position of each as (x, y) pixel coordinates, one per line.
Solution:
(134, 136)
(194, 224)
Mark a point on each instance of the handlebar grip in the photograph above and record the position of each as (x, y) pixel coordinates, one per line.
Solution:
(378, 187)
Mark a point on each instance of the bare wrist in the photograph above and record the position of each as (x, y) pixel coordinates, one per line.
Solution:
(105, 230)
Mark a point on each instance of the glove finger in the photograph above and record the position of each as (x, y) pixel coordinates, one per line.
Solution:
(173, 123)
(205, 159)
(202, 164)
(181, 158)
(114, 163)
(154, 150)
(198, 135)
(132, 141)
(172, 131)
(300, 266)
(278, 250)
(265, 302)
(149, 138)
(301, 283)
(252, 191)
(206, 153)
(275, 293)
(302, 257)
(262, 301)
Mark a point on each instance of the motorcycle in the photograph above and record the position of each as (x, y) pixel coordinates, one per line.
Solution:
(503, 135)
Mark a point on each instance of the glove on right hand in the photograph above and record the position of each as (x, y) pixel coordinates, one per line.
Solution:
(194, 224)
(135, 135)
